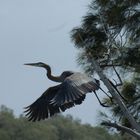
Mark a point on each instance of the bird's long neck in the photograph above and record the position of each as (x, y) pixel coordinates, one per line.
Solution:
(50, 76)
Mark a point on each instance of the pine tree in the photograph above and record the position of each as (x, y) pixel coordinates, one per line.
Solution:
(109, 34)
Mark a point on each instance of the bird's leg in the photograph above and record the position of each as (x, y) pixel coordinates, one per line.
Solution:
(103, 91)
(106, 94)
(102, 104)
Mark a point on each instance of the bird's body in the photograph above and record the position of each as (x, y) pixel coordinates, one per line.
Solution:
(66, 74)
(70, 91)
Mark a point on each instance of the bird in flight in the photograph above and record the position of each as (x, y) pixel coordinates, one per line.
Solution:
(71, 91)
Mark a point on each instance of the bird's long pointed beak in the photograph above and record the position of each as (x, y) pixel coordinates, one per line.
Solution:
(31, 64)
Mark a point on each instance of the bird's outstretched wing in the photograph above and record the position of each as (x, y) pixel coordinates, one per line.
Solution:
(73, 89)
(61, 97)
(41, 108)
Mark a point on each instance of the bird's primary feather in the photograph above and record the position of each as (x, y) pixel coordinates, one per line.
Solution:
(55, 99)
(41, 108)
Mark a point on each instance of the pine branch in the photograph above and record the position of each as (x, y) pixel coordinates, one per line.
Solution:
(110, 65)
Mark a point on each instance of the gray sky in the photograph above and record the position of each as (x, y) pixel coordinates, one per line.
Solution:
(39, 30)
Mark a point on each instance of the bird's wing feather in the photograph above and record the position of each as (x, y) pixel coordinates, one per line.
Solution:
(73, 90)
(41, 108)
(61, 97)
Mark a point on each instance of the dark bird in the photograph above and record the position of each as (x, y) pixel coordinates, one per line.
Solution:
(70, 92)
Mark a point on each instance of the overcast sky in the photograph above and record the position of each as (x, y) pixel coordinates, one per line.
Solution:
(33, 31)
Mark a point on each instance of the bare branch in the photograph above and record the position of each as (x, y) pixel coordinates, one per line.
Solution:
(122, 128)
(110, 65)
(121, 83)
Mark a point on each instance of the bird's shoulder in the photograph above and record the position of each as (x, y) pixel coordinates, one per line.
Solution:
(78, 77)
(67, 73)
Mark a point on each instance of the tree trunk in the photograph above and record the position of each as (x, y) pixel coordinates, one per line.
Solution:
(115, 96)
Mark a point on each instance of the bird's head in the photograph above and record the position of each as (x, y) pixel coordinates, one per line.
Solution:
(39, 64)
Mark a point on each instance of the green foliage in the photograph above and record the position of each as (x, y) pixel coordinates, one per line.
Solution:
(57, 128)
(129, 90)
(110, 31)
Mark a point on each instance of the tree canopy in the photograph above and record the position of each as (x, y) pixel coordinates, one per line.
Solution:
(109, 32)
(56, 128)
